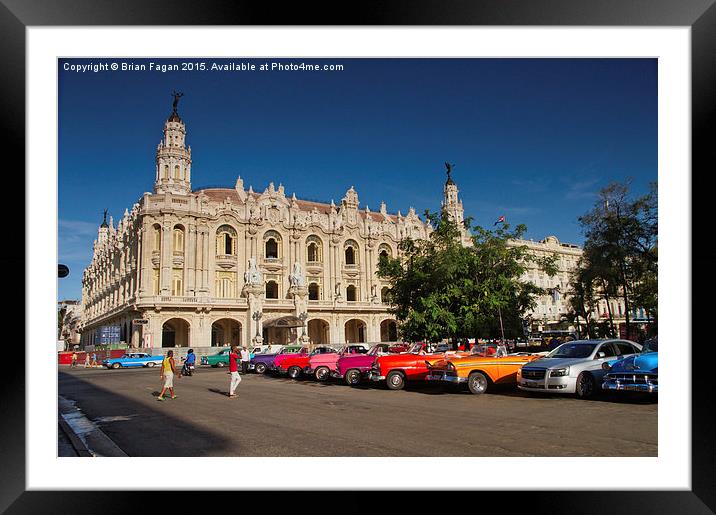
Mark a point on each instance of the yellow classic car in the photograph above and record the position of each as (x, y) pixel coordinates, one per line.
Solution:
(487, 365)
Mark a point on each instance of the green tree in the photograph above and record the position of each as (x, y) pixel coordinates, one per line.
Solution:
(440, 288)
(620, 248)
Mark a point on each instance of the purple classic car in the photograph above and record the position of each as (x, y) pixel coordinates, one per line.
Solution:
(260, 363)
(323, 365)
(354, 367)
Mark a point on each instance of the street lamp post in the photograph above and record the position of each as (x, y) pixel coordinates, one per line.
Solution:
(257, 316)
(302, 317)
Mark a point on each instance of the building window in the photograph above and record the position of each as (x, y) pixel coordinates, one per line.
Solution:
(272, 290)
(176, 172)
(225, 285)
(178, 239)
(384, 295)
(384, 252)
(155, 281)
(157, 238)
(177, 286)
(166, 171)
(351, 293)
(226, 241)
(272, 245)
(314, 250)
(351, 252)
(313, 291)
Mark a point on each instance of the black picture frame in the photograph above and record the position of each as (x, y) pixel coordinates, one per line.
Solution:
(699, 15)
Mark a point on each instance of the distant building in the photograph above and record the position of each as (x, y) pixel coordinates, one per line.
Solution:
(70, 320)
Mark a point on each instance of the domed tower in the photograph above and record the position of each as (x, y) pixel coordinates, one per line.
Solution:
(173, 172)
(451, 204)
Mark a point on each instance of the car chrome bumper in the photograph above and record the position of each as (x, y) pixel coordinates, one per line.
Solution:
(630, 387)
(373, 376)
(549, 384)
(442, 376)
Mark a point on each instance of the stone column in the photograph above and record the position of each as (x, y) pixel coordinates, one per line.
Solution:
(254, 294)
(144, 259)
(300, 305)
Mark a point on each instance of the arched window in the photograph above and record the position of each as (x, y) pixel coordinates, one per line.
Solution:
(166, 172)
(157, 238)
(351, 252)
(272, 290)
(225, 285)
(313, 291)
(384, 295)
(178, 239)
(272, 245)
(314, 249)
(351, 293)
(226, 241)
(176, 172)
(384, 251)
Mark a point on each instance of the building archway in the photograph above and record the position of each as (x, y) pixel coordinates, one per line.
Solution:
(225, 332)
(355, 331)
(175, 333)
(318, 331)
(388, 331)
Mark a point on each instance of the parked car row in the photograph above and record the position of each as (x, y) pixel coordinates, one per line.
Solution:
(580, 367)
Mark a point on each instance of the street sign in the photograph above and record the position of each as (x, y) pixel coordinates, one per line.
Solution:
(140, 321)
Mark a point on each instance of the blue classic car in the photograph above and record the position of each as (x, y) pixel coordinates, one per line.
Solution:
(134, 359)
(638, 373)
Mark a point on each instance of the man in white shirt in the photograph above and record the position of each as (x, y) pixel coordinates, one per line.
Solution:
(245, 357)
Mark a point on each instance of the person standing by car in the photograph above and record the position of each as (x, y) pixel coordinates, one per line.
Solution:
(245, 358)
(167, 373)
(234, 371)
(74, 359)
(94, 359)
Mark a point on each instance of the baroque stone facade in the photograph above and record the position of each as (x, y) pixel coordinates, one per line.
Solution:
(233, 265)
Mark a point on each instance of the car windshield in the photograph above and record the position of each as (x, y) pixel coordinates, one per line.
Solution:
(573, 350)
(650, 346)
(416, 347)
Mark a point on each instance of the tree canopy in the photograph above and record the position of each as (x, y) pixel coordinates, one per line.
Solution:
(443, 289)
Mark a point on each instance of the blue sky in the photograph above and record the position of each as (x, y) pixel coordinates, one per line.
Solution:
(531, 139)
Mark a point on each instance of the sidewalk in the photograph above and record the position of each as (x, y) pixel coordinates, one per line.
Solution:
(84, 436)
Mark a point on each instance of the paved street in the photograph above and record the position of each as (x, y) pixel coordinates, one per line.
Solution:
(280, 417)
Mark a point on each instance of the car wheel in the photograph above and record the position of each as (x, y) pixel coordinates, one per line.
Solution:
(477, 383)
(294, 372)
(151, 364)
(322, 373)
(585, 385)
(116, 365)
(395, 380)
(260, 368)
(220, 364)
(353, 377)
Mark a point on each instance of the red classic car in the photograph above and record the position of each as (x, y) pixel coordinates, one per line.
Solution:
(293, 364)
(396, 369)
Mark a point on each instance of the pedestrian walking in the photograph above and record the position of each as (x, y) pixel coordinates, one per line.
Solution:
(74, 359)
(167, 373)
(87, 360)
(234, 371)
(245, 358)
(94, 359)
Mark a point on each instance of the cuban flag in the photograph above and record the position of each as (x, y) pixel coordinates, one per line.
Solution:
(499, 220)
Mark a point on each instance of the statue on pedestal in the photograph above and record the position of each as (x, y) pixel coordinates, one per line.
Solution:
(253, 274)
(297, 278)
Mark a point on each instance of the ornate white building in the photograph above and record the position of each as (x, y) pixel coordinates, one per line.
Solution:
(218, 266)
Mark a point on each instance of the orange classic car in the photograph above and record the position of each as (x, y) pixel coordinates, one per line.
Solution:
(487, 365)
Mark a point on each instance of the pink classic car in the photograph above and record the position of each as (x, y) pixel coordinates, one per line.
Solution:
(324, 365)
(355, 367)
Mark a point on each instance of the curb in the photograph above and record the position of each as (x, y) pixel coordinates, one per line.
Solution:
(85, 436)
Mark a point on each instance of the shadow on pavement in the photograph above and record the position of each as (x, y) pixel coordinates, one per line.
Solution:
(147, 430)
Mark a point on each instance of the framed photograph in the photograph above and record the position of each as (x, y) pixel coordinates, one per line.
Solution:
(414, 253)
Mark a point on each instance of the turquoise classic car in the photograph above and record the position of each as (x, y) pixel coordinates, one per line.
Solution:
(220, 359)
(134, 359)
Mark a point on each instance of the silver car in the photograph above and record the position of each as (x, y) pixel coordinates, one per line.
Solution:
(574, 367)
